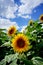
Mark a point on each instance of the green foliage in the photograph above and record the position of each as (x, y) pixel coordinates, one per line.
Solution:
(9, 59)
(34, 56)
(37, 61)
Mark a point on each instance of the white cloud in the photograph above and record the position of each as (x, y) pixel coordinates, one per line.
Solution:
(5, 23)
(24, 16)
(10, 12)
(27, 16)
(8, 8)
(12, 0)
(24, 9)
(27, 6)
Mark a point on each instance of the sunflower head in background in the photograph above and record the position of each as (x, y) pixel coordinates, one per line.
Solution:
(20, 43)
(30, 22)
(41, 18)
(11, 30)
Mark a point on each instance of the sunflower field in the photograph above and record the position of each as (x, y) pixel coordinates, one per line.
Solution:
(22, 48)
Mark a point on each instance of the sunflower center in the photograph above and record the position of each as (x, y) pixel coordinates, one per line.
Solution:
(20, 43)
(42, 18)
(11, 31)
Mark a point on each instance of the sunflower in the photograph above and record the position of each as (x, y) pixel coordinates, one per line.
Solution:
(11, 30)
(20, 43)
(31, 22)
(41, 18)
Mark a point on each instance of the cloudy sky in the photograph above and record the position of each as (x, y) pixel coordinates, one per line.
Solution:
(19, 12)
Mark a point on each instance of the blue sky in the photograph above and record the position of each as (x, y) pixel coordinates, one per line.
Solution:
(19, 12)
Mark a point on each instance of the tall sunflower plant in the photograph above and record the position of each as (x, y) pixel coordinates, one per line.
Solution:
(23, 48)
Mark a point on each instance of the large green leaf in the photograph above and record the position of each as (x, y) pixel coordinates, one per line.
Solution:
(11, 57)
(37, 61)
(3, 62)
(6, 44)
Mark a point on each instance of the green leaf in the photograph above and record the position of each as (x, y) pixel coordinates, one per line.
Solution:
(11, 57)
(37, 61)
(3, 62)
(6, 44)
(13, 62)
